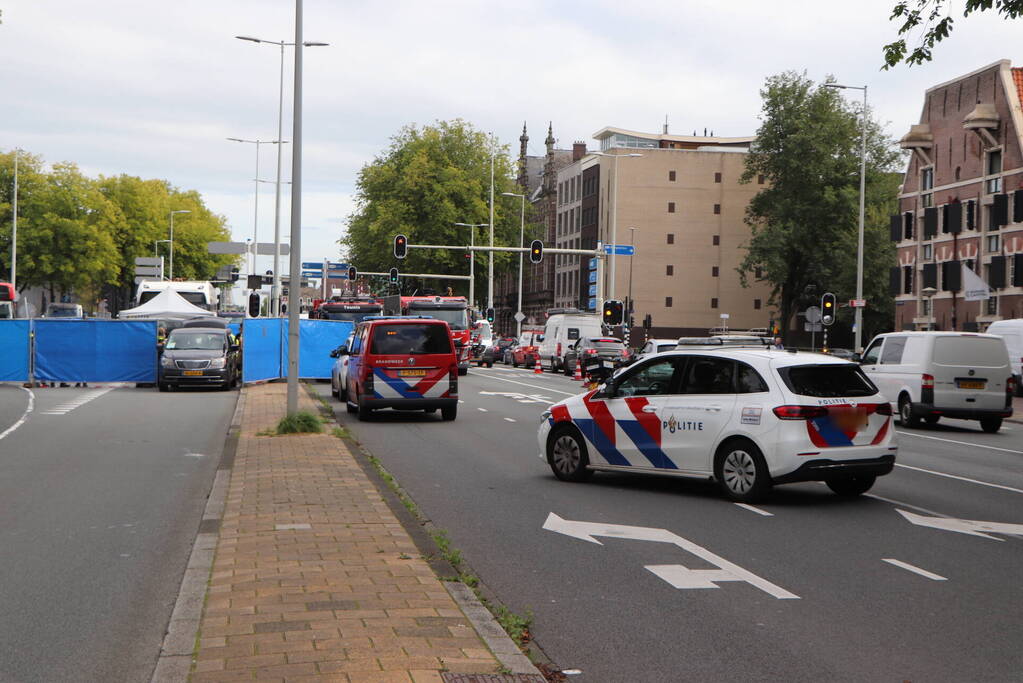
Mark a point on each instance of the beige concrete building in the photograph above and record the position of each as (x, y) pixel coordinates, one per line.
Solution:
(682, 206)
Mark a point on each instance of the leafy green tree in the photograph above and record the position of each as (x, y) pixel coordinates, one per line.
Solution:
(804, 223)
(31, 177)
(936, 20)
(427, 180)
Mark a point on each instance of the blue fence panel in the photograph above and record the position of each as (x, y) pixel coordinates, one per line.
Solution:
(14, 350)
(262, 349)
(317, 338)
(95, 350)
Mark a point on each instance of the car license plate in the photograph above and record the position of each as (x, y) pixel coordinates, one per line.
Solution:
(412, 373)
(971, 384)
(192, 373)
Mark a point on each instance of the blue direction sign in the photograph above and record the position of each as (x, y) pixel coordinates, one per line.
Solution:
(593, 264)
(620, 249)
(593, 290)
(312, 273)
(312, 266)
(337, 267)
(592, 305)
(593, 276)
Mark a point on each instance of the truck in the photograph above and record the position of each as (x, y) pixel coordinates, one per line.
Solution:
(350, 308)
(201, 293)
(7, 299)
(454, 310)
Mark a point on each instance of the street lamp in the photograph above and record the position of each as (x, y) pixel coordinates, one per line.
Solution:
(255, 220)
(522, 236)
(14, 226)
(632, 256)
(614, 219)
(472, 258)
(928, 293)
(156, 252)
(275, 298)
(858, 320)
(171, 240)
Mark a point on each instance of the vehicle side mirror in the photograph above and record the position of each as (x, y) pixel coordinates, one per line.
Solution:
(539, 337)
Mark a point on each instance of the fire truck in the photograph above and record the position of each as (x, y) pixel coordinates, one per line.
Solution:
(454, 310)
(7, 299)
(350, 308)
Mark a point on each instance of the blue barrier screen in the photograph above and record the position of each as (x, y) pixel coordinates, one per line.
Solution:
(265, 347)
(262, 349)
(95, 350)
(317, 338)
(14, 350)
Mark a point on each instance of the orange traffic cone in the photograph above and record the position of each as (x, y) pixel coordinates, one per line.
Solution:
(537, 368)
(578, 376)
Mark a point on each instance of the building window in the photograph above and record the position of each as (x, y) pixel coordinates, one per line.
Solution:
(717, 177)
(993, 243)
(926, 183)
(670, 270)
(991, 307)
(671, 238)
(758, 273)
(717, 208)
(756, 304)
(713, 271)
(994, 165)
(714, 303)
(925, 307)
(671, 207)
(671, 176)
(667, 302)
(717, 240)
(928, 252)
(760, 179)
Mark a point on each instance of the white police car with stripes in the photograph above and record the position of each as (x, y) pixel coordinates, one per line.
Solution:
(747, 416)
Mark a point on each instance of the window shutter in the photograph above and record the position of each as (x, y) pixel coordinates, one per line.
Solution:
(971, 215)
(907, 278)
(1000, 210)
(944, 218)
(996, 272)
(930, 275)
(954, 220)
(1017, 270)
(895, 281)
(908, 216)
(896, 228)
(951, 276)
(1017, 206)
(930, 222)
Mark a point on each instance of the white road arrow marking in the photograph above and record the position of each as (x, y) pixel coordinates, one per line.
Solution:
(965, 526)
(678, 576)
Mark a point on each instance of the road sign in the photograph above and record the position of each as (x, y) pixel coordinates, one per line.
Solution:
(267, 249)
(308, 265)
(593, 276)
(148, 271)
(812, 314)
(591, 305)
(620, 249)
(520, 316)
(857, 303)
(593, 290)
(593, 264)
(312, 273)
(813, 327)
(149, 261)
(337, 266)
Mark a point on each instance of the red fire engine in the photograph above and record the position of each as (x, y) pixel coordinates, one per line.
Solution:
(454, 310)
(350, 308)
(7, 299)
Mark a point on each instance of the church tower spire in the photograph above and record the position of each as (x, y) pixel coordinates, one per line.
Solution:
(522, 180)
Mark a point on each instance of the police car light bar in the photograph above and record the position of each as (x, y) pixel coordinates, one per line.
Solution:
(725, 341)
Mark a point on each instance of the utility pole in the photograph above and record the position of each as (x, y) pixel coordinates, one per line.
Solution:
(14, 227)
(295, 271)
(490, 258)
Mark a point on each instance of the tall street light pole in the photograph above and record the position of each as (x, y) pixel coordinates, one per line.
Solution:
(295, 270)
(632, 257)
(858, 319)
(522, 237)
(255, 219)
(275, 290)
(472, 259)
(490, 256)
(614, 220)
(172, 239)
(14, 226)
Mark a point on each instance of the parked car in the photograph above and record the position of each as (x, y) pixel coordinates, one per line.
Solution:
(930, 375)
(506, 346)
(199, 356)
(564, 327)
(607, 348)
(403, 363)
(62, 310)
(526, 351)
(339, 371)
(653, 346)
(1012, 332)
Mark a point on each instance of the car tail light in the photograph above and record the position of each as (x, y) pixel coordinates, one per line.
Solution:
(1010, 385)
(453, 381)
(592, 352)
(883, 408)
(799, 412)
(368, 383)
(558, 351)
(927, 381)
(626, 353)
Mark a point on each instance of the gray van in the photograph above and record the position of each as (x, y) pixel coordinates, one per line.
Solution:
(930, 375)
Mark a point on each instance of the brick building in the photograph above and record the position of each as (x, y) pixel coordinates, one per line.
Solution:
(961, 205)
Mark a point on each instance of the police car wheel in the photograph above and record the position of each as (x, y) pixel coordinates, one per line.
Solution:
(742, 472)
(566, 454)
(851, 486)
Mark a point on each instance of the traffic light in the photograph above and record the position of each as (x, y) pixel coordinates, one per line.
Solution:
(352, 273)
(235, 274)
(400, 246)
(536, 251)
(614, 312)
(254, 305)
(490, 315)
(394, 275)
(829, 308)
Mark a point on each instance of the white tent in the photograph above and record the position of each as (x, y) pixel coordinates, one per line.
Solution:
(167, 305)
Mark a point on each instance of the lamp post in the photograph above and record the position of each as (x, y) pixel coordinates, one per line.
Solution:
(255, 219)
(858, 320)
(490, 256)
(632, 256)
(275, 290)
(156, 252)
(522, 238)
(14, 226)
(171, 240)
(614, 219)
(472, 259)
(928, 293)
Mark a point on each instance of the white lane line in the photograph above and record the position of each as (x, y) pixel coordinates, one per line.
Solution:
(757, 510)
(961, 443)
(916, 570)
(24, 416)
(899, 503)
(509, 419)
(556, 391)
(966, 479)
(483, 410)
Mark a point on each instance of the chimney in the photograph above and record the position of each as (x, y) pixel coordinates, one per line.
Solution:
(578, 150)
(665, 124)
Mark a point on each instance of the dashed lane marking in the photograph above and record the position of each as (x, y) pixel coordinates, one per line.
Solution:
(961, 443)
(509, 419)
(483, 410)
(65, 408)
(24, 416)
(757, 510)
(916, 570)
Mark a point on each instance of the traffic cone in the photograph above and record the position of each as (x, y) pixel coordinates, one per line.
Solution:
(537, 368)
(578, 376)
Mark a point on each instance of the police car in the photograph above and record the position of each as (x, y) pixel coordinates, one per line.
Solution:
(745, 416)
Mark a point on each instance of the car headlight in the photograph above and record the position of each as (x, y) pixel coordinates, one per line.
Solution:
(545, 415)
(218, 363)
(166, 362)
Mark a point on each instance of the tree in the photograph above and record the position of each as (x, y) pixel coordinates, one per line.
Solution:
(429, 179)
(936, 19)
(808, 149)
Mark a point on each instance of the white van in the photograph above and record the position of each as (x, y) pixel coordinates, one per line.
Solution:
(564, 327)
(1012, 332)
(930, 375)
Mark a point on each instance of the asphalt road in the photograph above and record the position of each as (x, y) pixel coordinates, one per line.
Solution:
(102, 493)
(864, 609)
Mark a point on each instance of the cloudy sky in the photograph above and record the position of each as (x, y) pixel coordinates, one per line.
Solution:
(153, 88)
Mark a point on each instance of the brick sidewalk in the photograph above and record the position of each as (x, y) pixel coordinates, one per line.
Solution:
(314, 577)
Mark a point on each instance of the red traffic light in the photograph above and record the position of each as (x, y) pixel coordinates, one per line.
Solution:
(400, 246)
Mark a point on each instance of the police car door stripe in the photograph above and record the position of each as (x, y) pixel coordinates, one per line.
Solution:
(645, 432)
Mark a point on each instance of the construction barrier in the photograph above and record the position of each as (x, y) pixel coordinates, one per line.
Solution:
(265, 347)
(95, 350)
(15, 341)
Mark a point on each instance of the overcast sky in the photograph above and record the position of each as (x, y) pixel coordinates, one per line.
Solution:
(153, 88)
